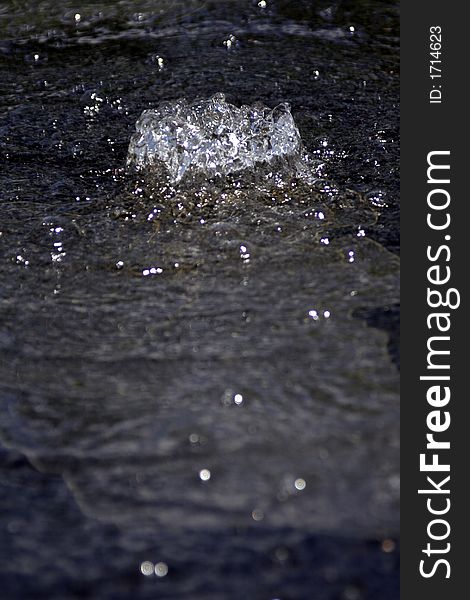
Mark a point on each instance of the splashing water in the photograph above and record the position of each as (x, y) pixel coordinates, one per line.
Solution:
(212, 137)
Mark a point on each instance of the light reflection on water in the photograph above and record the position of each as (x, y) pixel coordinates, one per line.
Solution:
(187, 360)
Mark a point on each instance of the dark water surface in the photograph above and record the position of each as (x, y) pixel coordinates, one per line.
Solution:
(261, 351)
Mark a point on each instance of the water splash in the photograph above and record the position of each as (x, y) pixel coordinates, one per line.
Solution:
(213, 138)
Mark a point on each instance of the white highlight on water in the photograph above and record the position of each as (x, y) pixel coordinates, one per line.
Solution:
(212, 137)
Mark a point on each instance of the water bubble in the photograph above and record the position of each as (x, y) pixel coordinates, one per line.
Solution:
(351, 592)
(158, 60)
(152, 271)
(388, 546)
(244, 254)
(281, 553)
(21, 260)
(230, 42)
(147, 568)
(300, 484)
(257, 514)
(204, 474)
(377, 198)
(161, 569)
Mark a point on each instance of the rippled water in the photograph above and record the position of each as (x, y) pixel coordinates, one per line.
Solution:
(201, 377)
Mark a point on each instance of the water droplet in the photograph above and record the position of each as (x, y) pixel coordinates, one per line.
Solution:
(282, 554)
(351, 593)
(161, 569)
(204, 474)
(147, 568)
(257, 514)
(388, 546)
(230, 42)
